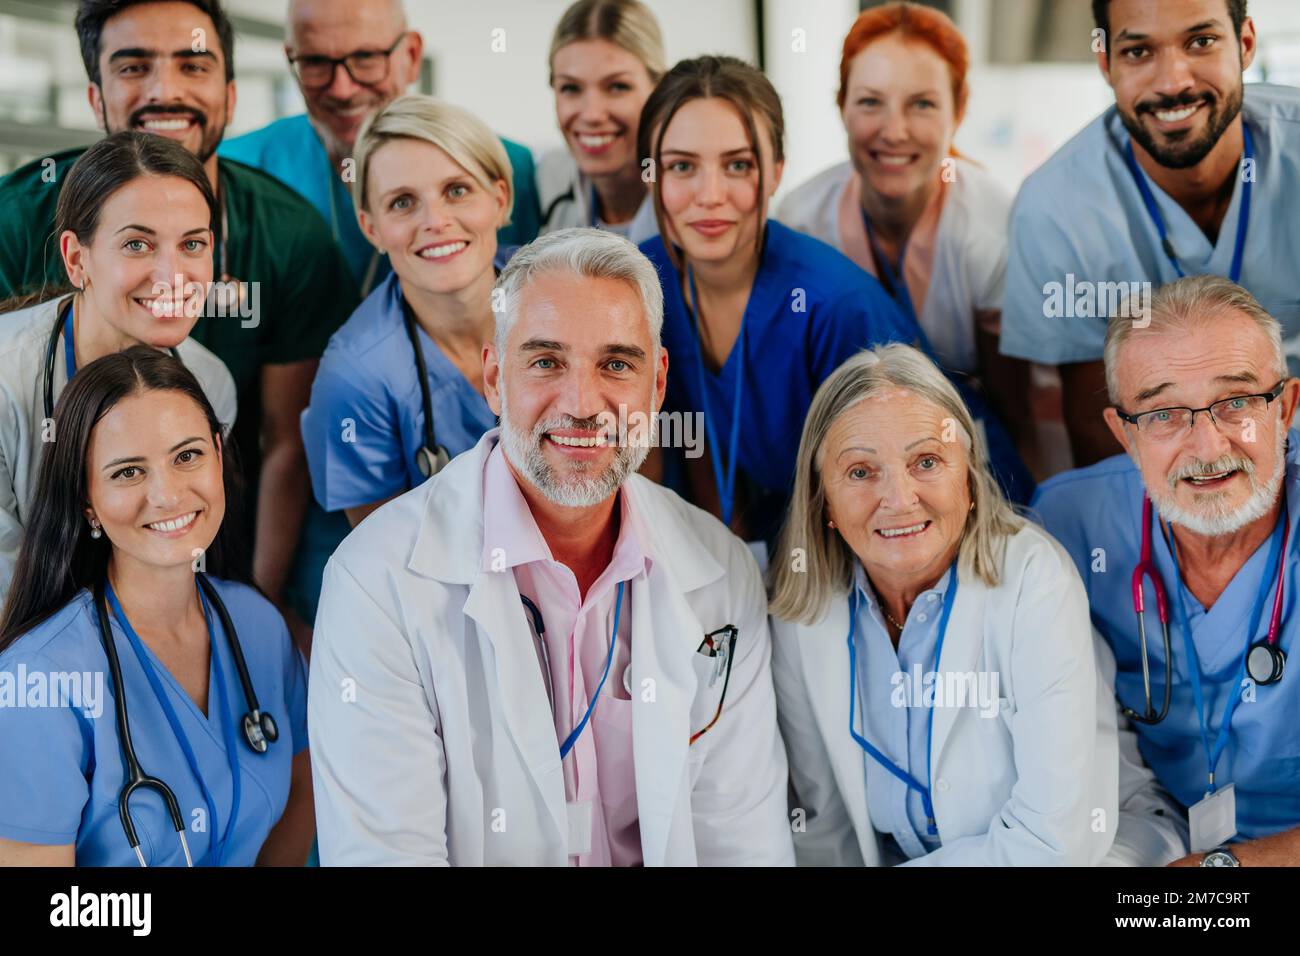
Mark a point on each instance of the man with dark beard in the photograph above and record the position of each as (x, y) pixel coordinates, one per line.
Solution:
(1188, 173)
(166, 67)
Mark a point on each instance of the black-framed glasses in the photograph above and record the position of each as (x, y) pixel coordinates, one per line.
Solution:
(366, 67)
(720, 647)
(1166, 424)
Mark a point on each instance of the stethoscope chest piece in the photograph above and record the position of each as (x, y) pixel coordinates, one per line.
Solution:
(627, 679)
(260, 731)
(429, 462)
(1265, 663)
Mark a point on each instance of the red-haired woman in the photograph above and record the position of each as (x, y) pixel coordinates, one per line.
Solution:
(927, 222)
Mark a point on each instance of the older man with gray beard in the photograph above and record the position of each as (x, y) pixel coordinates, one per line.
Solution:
(1205, 503)
(538, 657)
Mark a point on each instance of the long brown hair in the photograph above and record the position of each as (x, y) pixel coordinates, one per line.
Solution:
(112, 163)
(58, 556)
(711, 77)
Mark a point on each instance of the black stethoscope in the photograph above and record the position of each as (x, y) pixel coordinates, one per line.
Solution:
(63, 324)
(430, 457)
(1265, 660)
(260, 730)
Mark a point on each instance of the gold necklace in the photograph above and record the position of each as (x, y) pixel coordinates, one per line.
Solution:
(889, 617)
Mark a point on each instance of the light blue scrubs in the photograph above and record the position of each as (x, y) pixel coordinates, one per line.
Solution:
(810, 309)
(901, 733)
(365, 421)
(1080, 218)
(61, 768)
(290, 150)
(1096, 513)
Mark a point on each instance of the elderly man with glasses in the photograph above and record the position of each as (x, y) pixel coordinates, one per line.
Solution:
(351, 58)
(1187, 547)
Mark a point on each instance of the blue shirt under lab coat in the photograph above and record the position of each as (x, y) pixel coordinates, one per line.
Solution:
(890, 681)
(1080, 221)
(1096, 513)
(60, 759)
(365, 421)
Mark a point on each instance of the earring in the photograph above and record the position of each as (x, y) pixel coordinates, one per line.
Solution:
(830, 524)
(94, 529)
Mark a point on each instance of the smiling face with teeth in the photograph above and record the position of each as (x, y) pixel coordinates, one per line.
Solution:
(154, 481)
(149, 231)
(579, 349)
(897, 491)
(435, 219)
(599, 91)
(327, 29)
(1176, 70)
(900, 117)
(151, 78)
(1214, 479)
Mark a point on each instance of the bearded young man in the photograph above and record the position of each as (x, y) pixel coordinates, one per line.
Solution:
(1191, 172)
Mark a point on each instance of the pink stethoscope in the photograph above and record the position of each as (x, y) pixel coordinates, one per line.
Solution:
(1265, 661)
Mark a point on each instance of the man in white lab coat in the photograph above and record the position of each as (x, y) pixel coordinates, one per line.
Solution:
(538, 657)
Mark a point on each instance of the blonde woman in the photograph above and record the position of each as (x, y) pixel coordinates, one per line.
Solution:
(937, 684)
(400, 387)
(606, 57)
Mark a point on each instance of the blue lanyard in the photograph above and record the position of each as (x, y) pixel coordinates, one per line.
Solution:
(897, 287)
(574, 734)
(217, 850)
(726, 483)
(69, 347)
(1275, 559)
(1243, 214)
(912, 783)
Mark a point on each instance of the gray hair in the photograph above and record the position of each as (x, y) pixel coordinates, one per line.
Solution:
(804, 595)
(1185, 304)
(593, 253)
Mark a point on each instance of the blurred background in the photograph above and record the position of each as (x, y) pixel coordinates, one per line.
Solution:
(1033, 82)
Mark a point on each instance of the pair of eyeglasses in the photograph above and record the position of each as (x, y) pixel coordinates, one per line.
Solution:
(1166, 424)
(720, 646)
(366, 67)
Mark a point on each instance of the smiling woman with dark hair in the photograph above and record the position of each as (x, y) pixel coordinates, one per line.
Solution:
(133, 567)
(135, 212)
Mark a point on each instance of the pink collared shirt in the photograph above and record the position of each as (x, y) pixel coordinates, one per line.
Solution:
(598, 772)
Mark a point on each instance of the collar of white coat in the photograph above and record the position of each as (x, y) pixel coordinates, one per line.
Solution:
(453, 512)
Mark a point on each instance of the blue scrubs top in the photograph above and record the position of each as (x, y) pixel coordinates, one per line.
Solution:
(889, 720)
(1096, 513)
(60, 760)
(365, 421)
(1079, 220)
(810, 309)
(290, 150)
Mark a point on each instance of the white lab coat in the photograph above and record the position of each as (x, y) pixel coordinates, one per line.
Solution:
(1035, 785)
(24, 350)
(431, 733)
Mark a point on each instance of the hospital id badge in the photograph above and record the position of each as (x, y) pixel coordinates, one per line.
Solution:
(1213, 819)
(579, 827)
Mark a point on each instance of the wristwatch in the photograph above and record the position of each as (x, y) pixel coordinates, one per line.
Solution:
(1221, 856)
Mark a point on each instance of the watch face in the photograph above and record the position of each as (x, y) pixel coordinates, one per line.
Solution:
(1220, 858)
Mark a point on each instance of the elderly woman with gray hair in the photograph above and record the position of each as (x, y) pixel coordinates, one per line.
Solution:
(936, 679)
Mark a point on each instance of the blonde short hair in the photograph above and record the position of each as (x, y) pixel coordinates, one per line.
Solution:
(457, 132)
(804, 595)
(625, 23)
